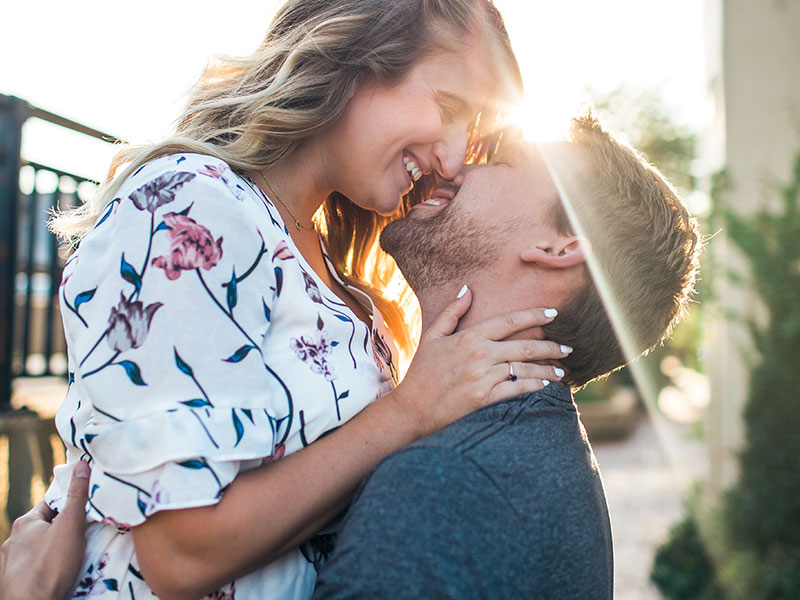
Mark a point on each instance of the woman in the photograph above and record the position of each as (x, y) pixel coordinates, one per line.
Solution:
(208, 332)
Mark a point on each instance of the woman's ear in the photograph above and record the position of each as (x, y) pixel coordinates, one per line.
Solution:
(558, 253)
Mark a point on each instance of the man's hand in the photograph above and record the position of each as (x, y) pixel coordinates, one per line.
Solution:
(41, 558)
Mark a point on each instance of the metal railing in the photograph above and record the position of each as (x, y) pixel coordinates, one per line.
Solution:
(31, 338)
(38, 347)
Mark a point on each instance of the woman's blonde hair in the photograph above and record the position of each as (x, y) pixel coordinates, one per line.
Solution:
(253, 111)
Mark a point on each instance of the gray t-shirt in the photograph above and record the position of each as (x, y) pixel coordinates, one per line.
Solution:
(505, 503)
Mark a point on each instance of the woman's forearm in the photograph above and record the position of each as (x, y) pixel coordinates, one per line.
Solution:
(268, 511)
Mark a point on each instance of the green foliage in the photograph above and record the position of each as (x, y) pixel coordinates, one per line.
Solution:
(682, 568)
(763, 508)
(776, 576)
(759, 518)
(652, 130)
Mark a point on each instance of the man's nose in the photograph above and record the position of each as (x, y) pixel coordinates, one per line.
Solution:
(449, 154)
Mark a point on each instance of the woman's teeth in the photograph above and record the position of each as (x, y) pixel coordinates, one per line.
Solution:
(412, 168)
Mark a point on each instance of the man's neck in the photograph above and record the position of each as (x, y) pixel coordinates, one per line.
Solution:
(433, 303)
(487, 301)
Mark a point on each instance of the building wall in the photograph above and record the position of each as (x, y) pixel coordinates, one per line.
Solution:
(754, 81)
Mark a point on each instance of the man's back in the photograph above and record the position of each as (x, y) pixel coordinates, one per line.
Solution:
(505, 503)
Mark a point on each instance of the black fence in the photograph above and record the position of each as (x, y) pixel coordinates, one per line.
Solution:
(31, 338)
(38, 343)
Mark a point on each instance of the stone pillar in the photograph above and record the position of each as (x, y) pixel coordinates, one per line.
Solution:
(754, 82)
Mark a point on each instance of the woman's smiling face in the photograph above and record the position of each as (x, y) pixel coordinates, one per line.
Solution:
(389, 136)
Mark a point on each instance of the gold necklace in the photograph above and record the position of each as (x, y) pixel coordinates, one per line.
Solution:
(297, 222)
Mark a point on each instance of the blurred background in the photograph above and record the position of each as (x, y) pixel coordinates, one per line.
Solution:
(697, 446)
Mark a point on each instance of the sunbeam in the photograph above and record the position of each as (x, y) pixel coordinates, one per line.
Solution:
(562, 169)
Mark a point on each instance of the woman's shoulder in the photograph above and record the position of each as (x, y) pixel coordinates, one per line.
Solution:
(162, 177)
(174, 182)
(183, 160)
(185, 195)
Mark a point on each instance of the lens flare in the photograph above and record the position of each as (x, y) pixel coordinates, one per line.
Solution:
(562, 169)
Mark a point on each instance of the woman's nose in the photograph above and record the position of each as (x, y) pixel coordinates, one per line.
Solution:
(449, 153)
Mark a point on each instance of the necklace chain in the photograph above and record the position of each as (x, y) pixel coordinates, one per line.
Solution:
(274, 194)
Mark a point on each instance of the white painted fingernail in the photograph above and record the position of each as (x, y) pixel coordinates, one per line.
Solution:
(550, 313)
(462, 292)
(545, 383)
(559, 372)
(566, 349)
(81, 470)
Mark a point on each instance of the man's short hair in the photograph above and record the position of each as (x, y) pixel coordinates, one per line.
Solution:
(645, 242)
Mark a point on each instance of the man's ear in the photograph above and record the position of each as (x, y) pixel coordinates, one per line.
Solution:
(560, 252)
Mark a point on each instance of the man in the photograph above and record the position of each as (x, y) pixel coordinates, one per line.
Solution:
(41, 557)
(507, 502)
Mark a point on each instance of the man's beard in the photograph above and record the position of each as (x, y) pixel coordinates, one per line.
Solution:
(441, 249)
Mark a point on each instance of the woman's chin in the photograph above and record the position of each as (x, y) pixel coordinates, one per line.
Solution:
(385, 207)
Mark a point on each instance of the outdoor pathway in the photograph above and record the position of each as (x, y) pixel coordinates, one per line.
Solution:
(645, 497)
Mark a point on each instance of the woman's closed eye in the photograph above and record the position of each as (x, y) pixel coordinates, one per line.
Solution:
(500, 163)
(504, 157)
(453, 108)
(449, 113)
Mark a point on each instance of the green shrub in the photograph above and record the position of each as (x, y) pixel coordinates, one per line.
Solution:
(764, 506)
(682, 569)
(760, 514)
(762, 510)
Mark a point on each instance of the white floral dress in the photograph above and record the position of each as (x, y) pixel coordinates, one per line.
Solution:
(201, 344)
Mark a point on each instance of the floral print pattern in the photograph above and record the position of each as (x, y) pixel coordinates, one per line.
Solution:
(312, 289)
(224, 595)
(282, 252)
(129, 323)
(93, 583)
(191, 246)
(121, 527)
(313, 350)
(159, 191)
(217, 171)
(200, 344)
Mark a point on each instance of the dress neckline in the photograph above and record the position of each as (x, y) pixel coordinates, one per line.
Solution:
(361, 297)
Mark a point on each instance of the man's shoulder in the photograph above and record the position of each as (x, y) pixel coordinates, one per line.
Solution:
(528, 450)
(438, 465)
(533, 419)
(494, 508)
(530, 441)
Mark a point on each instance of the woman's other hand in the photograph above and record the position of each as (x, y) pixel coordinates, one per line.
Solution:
(41, 558)
(455, 373)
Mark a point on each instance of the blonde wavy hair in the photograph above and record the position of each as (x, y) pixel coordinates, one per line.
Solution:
(253, 111)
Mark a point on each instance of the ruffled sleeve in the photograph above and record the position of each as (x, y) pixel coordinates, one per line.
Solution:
(166, 305)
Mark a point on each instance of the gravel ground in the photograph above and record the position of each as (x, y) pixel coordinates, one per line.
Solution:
(645, 481)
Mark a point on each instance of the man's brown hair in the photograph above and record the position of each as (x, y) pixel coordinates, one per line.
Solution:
(643, 240)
